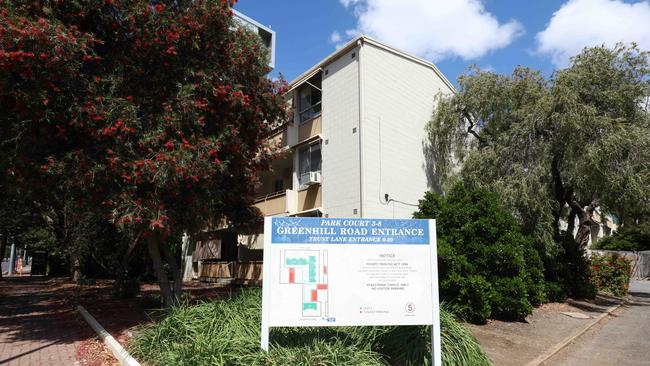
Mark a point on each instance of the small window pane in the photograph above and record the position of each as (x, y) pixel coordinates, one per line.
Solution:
(315, 158)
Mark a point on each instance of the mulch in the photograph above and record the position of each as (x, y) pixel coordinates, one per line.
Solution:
(122, 317)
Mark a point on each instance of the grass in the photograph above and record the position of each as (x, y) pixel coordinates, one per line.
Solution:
(227, 332)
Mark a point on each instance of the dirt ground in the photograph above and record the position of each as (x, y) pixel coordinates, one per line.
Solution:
(517, 343)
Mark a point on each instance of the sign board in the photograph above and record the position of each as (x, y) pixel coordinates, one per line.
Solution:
(350, 272)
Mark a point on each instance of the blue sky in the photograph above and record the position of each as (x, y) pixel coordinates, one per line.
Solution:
(454, 34)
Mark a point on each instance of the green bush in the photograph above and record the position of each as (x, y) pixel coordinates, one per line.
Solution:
(227, 332)
(487, 266)
(631, 238)
(568, 273)
(611, 273)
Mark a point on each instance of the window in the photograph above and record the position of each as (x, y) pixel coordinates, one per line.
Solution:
(309, 98)
(309, 161)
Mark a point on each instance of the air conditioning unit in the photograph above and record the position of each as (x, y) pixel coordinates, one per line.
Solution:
(309, 178)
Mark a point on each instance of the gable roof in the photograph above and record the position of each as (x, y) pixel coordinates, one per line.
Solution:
(365, 39)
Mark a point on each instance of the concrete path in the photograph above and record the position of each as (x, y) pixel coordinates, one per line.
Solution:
(623, 339)
(37, 327)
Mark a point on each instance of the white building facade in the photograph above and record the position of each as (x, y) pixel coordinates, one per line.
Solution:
(354, 148)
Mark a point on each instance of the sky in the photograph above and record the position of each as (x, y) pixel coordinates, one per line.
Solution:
(495, 35)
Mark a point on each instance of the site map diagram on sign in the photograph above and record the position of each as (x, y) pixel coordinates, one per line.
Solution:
(308, 269)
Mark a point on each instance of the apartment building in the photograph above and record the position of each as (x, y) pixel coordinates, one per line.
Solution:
(354, 148)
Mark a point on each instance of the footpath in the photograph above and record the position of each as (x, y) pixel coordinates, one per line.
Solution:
(617, 337)
(621, 339)
(37, 326)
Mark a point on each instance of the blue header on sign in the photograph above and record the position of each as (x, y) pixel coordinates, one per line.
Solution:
(320, 230)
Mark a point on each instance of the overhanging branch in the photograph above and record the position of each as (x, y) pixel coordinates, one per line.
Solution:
(470, 128)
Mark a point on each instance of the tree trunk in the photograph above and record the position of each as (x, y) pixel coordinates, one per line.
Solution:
(584, 222)
(3, 247)
(153, 241)
(76, 267)
(571, 223)
(121, 272)
(176, 272)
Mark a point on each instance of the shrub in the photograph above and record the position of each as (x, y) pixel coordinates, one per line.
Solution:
(568, 273)
(487, 266)
(611, 273)
(631, 238)
(227, 332)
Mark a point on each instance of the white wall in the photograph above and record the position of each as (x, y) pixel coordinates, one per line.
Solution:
(398, 93)
(340, 146)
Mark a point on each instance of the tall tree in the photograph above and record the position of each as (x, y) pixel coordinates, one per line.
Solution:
(155, 112)
(569, 144)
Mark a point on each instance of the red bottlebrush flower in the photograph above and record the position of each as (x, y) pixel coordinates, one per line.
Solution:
(169, 145)
(212, 153)
(171, 50)
(129, 98)
(160, 7)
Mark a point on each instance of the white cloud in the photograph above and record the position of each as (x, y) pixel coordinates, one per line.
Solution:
(433, 29)
(347, 3)
(587, 23)
(335, 37)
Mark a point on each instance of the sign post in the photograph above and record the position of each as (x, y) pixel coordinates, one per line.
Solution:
(350, 272)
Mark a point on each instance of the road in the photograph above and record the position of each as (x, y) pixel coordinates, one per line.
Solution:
(623, 339)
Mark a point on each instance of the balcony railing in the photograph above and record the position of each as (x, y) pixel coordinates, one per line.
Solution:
(272, 204)
(277, 203)
(310, 112)
(310, 129)
(309, 198)
(279, 139)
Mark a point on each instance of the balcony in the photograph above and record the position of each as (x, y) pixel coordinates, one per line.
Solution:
(290, 202)
(279, 140)
(272, 204)
(277, 203)
(310, 129)
(310, 198)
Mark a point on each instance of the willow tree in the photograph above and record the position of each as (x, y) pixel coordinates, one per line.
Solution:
(153, 112)
(553, 149)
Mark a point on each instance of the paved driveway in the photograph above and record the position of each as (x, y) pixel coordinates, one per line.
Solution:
(621, 340)
(37, 327)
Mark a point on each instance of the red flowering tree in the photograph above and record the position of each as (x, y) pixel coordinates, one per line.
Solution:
(155, 111)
